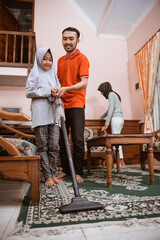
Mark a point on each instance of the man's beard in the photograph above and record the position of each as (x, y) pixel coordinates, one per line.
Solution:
(71, 50)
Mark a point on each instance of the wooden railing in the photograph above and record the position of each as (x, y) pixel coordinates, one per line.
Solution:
(17, 49)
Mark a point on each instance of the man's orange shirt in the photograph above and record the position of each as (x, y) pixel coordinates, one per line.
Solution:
(70, 70)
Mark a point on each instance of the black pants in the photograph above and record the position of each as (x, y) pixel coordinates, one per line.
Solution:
(75, 123)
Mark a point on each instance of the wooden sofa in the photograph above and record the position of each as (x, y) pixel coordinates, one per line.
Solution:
(18, 159)
(131, 153)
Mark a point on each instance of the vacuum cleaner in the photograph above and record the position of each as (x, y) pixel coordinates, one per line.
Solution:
(78, 203)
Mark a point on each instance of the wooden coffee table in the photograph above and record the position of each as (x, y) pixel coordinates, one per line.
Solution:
(109, 140)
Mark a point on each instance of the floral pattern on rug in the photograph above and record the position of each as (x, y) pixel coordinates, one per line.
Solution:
(126, 199)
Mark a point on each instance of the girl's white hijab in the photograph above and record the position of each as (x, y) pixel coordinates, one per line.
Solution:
(38, 77)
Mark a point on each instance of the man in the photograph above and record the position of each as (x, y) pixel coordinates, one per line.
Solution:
(73, 73)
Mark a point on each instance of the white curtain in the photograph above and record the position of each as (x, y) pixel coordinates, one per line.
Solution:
(154, 62)
(156, 105)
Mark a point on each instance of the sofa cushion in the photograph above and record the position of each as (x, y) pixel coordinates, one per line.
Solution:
(90, 133)
(26, 148)
(156, 146)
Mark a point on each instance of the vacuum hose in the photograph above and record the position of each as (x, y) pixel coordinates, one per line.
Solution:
(78, 203)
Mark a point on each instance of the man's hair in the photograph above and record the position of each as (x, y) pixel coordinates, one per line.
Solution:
(72, 29)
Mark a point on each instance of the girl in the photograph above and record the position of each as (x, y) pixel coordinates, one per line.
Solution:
(41, 84)
(114, 113)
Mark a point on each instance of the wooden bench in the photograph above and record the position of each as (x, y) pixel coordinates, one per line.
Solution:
(15, 165)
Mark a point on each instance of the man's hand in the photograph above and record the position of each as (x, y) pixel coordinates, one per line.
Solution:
(82, 84)
(62, 91)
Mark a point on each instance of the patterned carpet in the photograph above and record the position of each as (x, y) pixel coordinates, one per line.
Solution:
(131, 196)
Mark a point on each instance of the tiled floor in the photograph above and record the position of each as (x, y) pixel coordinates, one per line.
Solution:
(11, 195)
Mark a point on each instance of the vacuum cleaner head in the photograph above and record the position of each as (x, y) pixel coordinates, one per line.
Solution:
(79, 204)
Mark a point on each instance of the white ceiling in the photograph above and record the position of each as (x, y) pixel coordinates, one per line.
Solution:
(114, 18)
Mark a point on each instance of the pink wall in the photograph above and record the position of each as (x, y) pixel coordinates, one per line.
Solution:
(149, 26)
(15, 97)
(108, 58)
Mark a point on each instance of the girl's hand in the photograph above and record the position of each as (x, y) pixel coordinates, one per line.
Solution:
(104, 129)
(54, 91)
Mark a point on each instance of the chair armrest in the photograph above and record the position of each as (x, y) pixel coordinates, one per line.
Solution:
(9, 147)
(31, 136)
(14, 116)
(157, 137)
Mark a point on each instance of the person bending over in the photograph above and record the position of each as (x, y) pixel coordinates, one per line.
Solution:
(113, 114)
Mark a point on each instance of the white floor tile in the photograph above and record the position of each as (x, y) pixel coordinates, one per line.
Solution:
(138, 235)
(126, 230)
(11, 196)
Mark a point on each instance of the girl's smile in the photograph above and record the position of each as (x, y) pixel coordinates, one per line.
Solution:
(47, 61)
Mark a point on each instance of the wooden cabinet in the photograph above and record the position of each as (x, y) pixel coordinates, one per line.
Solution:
(131, 152)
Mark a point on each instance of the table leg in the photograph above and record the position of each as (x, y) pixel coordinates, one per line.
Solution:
(151, 164)
(89, 160)
(109, 163)
(117, 159)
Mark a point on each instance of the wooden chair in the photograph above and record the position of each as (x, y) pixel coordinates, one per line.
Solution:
(18, 159)
(98, 154)
(156, 149)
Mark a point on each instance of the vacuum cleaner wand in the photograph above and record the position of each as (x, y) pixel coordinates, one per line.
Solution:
(78, 203)
(76, 190)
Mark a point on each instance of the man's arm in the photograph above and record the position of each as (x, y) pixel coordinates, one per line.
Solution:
(77, 86)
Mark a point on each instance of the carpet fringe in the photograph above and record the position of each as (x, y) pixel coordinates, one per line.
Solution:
(26, 232)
